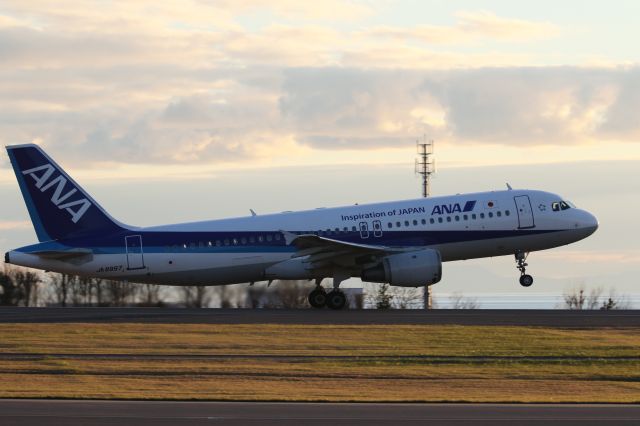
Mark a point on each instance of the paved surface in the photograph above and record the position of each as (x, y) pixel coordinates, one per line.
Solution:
(556, 318)
(52, 412)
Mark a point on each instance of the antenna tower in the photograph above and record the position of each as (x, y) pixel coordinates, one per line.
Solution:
(425, 166)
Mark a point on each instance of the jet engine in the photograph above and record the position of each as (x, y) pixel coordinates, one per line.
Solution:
(411, 269)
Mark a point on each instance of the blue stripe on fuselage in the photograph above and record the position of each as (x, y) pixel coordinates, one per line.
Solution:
(198, 242)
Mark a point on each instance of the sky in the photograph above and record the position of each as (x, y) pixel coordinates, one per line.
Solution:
(223, 106)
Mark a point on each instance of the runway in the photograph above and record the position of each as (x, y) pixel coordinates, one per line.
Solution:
(61, 412)
(547, 318)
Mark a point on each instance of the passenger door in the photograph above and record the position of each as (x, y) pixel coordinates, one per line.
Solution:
(525, 212)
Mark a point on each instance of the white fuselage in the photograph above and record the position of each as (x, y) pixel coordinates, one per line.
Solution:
(246, 249)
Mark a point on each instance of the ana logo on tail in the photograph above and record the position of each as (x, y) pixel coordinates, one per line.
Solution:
(44, 182)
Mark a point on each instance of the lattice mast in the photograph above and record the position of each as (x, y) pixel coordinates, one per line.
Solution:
(425, 166)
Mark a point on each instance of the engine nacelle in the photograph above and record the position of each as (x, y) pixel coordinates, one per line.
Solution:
(411, 269)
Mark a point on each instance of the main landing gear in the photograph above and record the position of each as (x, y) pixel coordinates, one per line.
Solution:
(525, 279)
(335, 299)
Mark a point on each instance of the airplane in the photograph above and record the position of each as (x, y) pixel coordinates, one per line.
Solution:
(403, 243)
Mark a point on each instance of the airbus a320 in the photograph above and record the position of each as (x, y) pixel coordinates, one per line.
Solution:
(403, 243)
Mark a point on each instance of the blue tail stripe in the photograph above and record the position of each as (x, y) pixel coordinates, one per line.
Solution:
(41, 233)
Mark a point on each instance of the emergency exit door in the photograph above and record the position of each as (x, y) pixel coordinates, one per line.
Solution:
(135, 256)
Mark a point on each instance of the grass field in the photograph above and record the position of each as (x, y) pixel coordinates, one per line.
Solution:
(320, 363)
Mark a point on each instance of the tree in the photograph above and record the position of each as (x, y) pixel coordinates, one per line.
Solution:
(408, 297)
(578, 299)
(383, 298)
(293, 294)
(29, 282)
(149, 295)
(119, 293)
(12, 294)
(60, 284)
(19, 287)
(459, 301)
(196, 296)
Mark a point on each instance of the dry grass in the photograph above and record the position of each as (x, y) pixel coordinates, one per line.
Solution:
(332, 363)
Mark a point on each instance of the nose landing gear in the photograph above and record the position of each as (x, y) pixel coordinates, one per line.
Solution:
(525, 279)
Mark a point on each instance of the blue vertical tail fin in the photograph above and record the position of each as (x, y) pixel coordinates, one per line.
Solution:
(58, 206)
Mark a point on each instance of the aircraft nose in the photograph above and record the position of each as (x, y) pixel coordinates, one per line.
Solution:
(588, 222)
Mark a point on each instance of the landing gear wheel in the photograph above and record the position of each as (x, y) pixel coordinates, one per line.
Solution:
(526, 280)
(318, 298)
(521, 263)
(336, 300)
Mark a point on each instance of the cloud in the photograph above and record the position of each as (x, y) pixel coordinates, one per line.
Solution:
(169, 114)
(184, 82)
(511, 106)
(471, 27)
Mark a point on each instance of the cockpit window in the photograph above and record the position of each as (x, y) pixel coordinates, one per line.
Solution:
(561, 205)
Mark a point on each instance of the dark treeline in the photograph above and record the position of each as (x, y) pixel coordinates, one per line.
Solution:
(26, 287)
(23, 287)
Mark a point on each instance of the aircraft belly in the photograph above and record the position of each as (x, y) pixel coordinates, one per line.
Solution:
(503, 246)
(210, 269)
(164, 268)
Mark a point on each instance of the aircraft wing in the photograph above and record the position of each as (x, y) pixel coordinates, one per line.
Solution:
(322, 251)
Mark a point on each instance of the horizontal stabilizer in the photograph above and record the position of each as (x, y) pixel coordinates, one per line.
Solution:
(63, 254)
